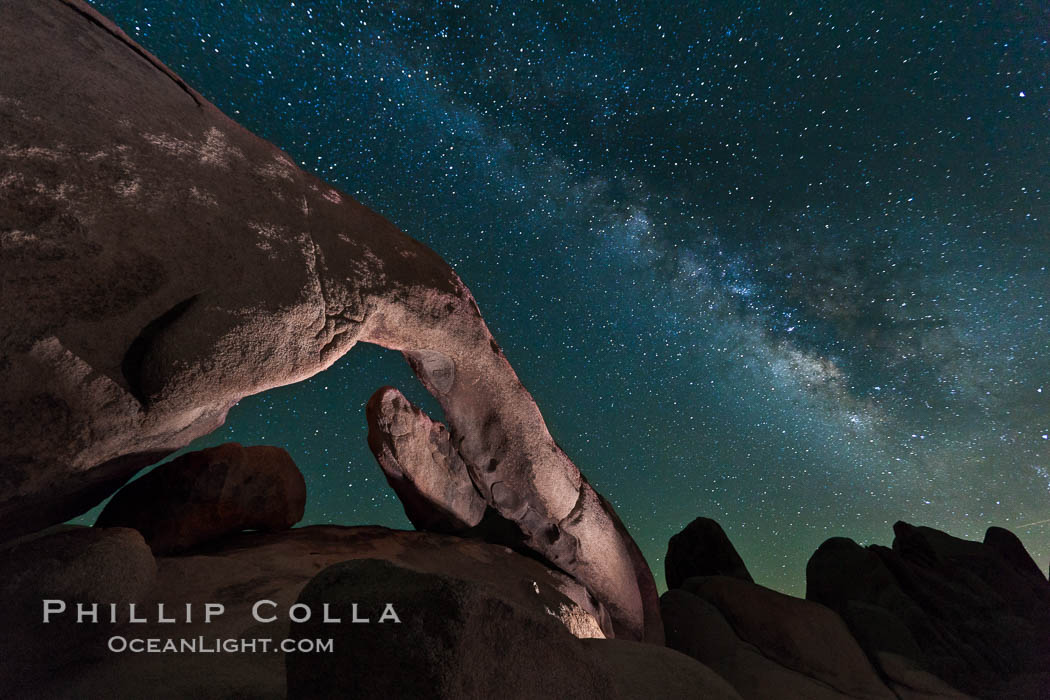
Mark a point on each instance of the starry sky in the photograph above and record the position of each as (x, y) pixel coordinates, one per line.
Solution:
(784, 265)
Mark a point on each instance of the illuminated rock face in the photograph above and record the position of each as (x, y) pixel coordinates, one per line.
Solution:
(160, 263)
(421, 465)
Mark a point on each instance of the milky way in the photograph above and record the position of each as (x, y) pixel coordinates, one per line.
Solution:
(781, 266)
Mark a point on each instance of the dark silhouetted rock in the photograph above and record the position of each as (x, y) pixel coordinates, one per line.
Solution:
(1025, 686)
(855, 582)
(973, 614)
(641, 671)
(702, 549)
(842, 570)
(697, 628)
(205, 494)
(92, 567)
(420, 464)
(770, 645)
(169, 263)
(875, 627)
(910, 682)
(1009, 547)
(767, 644)
(461, 639)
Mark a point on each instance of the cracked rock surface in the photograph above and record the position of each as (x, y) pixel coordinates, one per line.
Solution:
(421, 465)
(164, 263)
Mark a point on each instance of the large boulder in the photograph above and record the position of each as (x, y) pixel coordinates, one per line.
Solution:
(443, 636)
(767, 644)
(696, 628)
(640, 671)
(702, 549)
(241, 569)
(449, 639)
(79, 570)
(1009, 547)
(973, 614)
(911, 682)
(202, 495)
(169, 263)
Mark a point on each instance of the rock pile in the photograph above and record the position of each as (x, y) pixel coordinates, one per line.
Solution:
(932, 617)
(975, 614)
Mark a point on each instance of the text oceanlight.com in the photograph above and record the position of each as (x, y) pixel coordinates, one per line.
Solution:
(214, 645)
(147, 618)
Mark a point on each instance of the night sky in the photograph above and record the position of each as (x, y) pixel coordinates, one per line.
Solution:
(782, 265)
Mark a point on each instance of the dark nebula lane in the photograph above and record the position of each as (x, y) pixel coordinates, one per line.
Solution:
(785, 267)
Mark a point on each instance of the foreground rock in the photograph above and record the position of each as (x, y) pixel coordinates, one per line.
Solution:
(169, 263)
(702, 549)
(974, 614)
(242, 569)
(911, 682)
(645, 671)
(205, 494)
(458, 639)
(93, 567)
